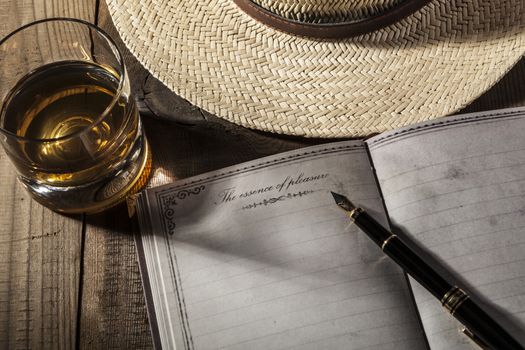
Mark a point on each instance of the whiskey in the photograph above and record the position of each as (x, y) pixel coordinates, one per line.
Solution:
(80, 144)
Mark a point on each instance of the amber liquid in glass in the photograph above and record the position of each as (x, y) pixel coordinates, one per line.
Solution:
(91, 149)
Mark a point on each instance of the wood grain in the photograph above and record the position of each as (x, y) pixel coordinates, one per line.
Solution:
(39, 250)
(113, 311)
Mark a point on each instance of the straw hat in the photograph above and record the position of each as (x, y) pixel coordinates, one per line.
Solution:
(440, 56)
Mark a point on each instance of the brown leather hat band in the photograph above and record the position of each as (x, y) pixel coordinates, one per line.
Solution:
(330, 30)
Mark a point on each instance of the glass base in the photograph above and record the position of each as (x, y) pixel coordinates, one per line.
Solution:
(99, 195)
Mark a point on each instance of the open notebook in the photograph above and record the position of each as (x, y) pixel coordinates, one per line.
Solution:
(258, 256)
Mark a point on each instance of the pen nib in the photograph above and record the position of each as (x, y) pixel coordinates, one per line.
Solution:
(342, 202)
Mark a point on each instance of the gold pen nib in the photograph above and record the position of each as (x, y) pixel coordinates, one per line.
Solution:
(343, 202)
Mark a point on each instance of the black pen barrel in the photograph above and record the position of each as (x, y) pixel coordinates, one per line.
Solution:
(455, 300)
(488, 330)
(416, 267)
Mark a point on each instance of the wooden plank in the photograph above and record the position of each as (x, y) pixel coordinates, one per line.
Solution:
(113, 312)
(40, 250)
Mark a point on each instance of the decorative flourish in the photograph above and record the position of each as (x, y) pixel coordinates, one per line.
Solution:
(170, 200)
(273, 200)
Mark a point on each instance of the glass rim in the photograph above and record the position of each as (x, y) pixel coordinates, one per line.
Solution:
(122, 78)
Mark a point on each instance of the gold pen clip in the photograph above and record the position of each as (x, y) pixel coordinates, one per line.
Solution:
(475, 338)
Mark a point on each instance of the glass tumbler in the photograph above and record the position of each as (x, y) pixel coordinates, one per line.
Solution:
(68, 121)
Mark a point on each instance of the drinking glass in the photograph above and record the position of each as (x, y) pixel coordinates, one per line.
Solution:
(68, 120)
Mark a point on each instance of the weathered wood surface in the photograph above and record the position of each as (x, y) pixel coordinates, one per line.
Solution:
(112, 311)
(40, 251)
(60, 291)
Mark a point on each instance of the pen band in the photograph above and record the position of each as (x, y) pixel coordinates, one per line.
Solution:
(453, 299)
(387, 240)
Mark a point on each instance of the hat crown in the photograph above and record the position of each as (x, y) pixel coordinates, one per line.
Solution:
(327, 11)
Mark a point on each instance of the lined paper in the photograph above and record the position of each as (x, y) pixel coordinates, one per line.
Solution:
(258, 256)
(458, 188)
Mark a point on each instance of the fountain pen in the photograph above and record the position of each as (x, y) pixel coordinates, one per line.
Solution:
(479, 326)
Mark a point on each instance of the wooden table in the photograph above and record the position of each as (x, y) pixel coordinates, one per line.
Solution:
(74, 282)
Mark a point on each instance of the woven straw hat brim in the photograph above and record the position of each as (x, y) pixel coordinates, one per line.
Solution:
(428, 65)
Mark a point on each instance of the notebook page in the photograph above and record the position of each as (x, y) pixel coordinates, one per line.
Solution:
(457, 186)
(258, 256)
